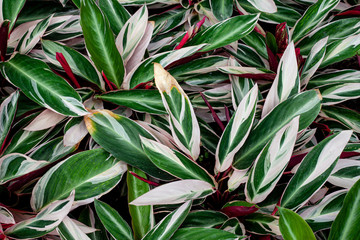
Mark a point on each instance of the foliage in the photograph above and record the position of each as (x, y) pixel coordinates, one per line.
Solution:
(179, 119)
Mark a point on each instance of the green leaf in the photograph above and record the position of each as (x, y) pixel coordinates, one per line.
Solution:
(346, 117)
(314, 170)
(113, 222)
(339, 92)
(313, 16)
(306, 105)
(141, 100)
(183, 122)
(115, 13)
(222, 9)
(213, 218)
(10, 10)
(198, 233)
(271, 163)
(293, 227)
(224, 33)
(100, 42)
(121, 137)
(345, 173)
(175, 192)
(94, 169)
(7, 115)
(174, 162)
(142, 217)
(236, 131)
(346, 223)
(333, 77)
(40, 84)
(78, 63)
(262, 224)
(44, 222)
(169, 224)
(169, 20)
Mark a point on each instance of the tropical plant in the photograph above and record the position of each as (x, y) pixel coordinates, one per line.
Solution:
(179, 119)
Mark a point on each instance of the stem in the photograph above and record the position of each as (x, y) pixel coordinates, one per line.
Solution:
(65, 65)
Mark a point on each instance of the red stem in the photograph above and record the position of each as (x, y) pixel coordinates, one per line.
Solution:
(65, 65)
(111, 85)
(215, 116)
(144, 180)
(4, 35)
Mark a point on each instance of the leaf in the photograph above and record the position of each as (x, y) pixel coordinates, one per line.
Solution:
(68, 230)
(332, 77)
(263, 224)
(183, 123)
(142, 100)
(6, 217)
(224, 33)
(10, 11)
(46, 119)
(142, 217)
(144, 72)
(346, 222)
(346, 117)
(175, 192)
(78, 63)
(121, 137)
(44, 222)
(293, 227)
(15, 165)
(115, 13)
(198, 233)
(341, 49)
(75, 134)
(169, 224)
(99, 171)
(174, 162)
(131, 33)
(313, 61)
(306, 105)
(236, 131)
(213, 219)
(100, 42)
(7, 115)
(267, 6)
(113, 222)
(271, 163)
(322, 215)
(168, 20)
(313, 16)
(239, 208)
(345, 173)
(233, 225)
(286, 83)
(222, 9)
(337, 93)
(314, 170)
(40, 84)
(348, 26)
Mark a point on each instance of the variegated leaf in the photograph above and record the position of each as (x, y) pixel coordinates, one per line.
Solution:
(306, 105)
(222, 9)
(169, 224)
(175, 192)
(314, 170)
(341, 49)
(321, 215)
(214, 218)
(100, 42)
(286, 83)
(141, 2)
(15, 165)
(121, 137)
(340, 92)
(347, 117)
(313, 61)
(224, 33)
(113, 222)
(6, 217)
(236, 178)
(131, 33)
(44, 222)
(183, 123)
(168, 20)
(69, 230)
(262, 224)
(10, 10)
(199, 233)
(41, 85)
(7, 115)
(236, 131)
(267, 6)
(174, 162)
(75, 133)
(144, 71)
(233, 225)
(346, 173)
(313, 16)
(332, 77)
(115, 13)
(100, 172)
(271, 163)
